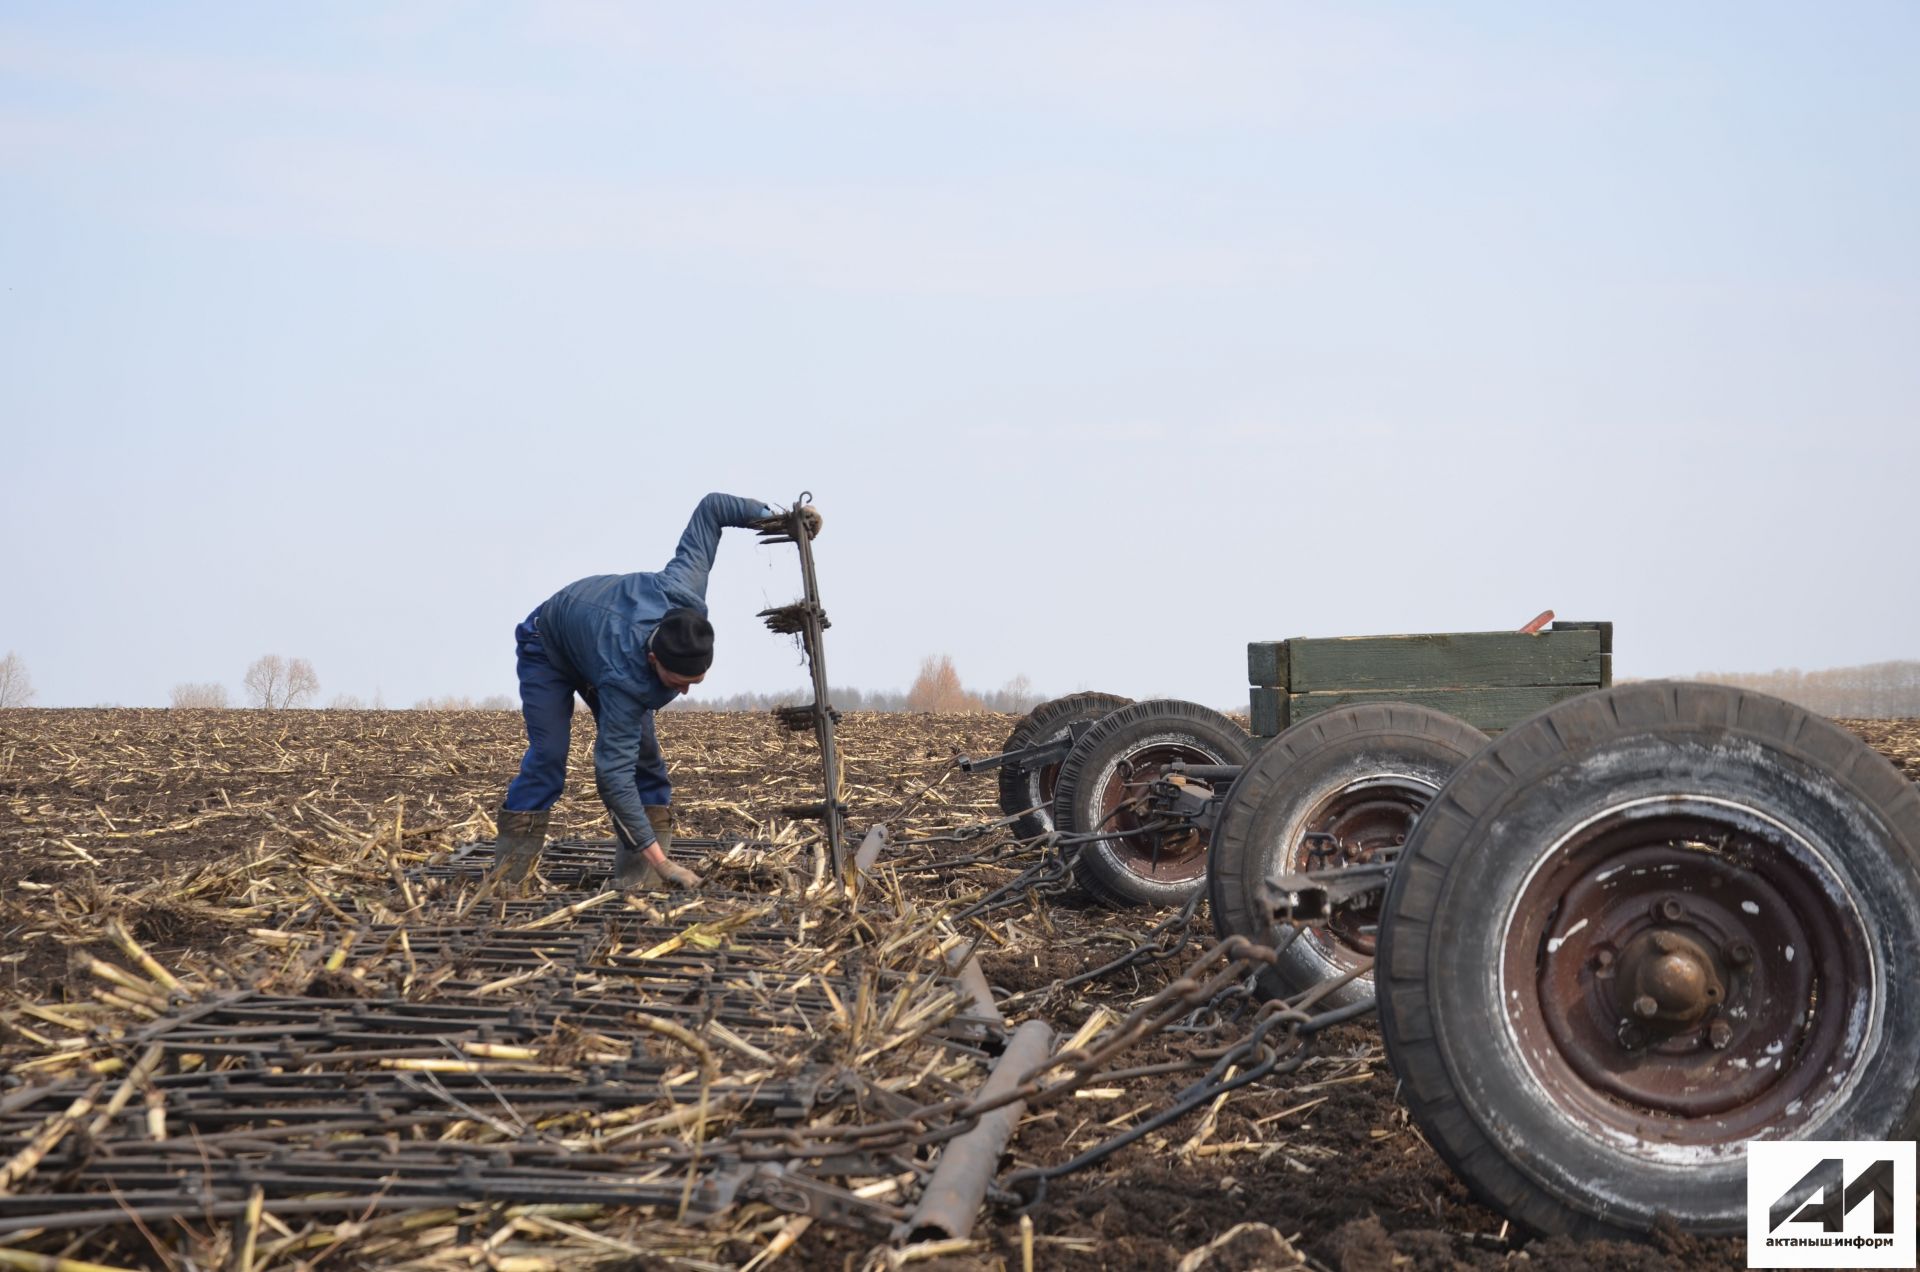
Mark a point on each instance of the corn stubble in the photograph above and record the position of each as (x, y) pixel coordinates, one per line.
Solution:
(154, 862)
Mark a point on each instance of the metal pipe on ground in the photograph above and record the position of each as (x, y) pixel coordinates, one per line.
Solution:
(951, 1202)
(974, 981)
(870, 849)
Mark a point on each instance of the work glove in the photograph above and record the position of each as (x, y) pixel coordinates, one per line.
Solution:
(778, 523)
(677, 877)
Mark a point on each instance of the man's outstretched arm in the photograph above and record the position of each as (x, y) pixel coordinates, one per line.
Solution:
(693, 559)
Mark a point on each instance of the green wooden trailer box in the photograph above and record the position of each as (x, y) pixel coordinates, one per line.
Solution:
(1492, 680)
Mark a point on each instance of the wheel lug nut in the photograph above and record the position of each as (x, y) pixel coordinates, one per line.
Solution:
(1646, 1007)
(1632, 1036)
(1719, 1033)
(1669, 910)
(1603, 959)
(1740, 953)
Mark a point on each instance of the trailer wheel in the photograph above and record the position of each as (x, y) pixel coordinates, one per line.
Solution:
(1028, 793)
(1099, 782)
(1360, 775)
(1639, 930)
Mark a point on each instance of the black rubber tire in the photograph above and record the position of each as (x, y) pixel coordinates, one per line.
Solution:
(1294, 777)
(1606, 758)
(1101, 869)
(1023, 789)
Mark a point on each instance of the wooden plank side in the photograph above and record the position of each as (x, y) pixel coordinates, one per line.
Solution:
(1267, 663)
(1491, 709)
(1606, 645)
(1605, 630)
(1268, 709)
(1445, 660)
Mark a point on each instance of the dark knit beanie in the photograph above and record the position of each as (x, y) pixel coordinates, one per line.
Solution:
(683, 642)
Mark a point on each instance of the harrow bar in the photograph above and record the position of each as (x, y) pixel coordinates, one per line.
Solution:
(807, 619)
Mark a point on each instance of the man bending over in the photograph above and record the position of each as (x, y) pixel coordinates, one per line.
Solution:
(628, 644)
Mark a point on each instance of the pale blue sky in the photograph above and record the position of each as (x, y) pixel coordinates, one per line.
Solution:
(1109, 336)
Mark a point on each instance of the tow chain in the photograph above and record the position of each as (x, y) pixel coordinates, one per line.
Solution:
(1250, 1060)
(1253, 1058)
(1054, 871)
(1197, 986)
(1164, 940)
(1278, 1042)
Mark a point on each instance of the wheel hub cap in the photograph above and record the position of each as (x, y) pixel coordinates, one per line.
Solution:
(1668, 979)
(1168, 856)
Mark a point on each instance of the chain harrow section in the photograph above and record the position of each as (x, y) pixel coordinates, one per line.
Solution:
(586, 1048)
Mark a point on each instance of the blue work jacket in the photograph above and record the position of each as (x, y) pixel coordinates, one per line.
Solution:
(596, 630)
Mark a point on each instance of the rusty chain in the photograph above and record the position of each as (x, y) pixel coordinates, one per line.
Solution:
(936, 1123)
(1251, 1059)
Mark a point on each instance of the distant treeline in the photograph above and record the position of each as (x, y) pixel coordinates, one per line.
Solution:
(276, 683)
(1888, 690)
(845, 697)
(936, 688)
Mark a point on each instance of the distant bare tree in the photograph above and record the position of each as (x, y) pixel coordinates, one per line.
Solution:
(1016, 697)
(499, 702)
(266, 681)
(346, 702)
(273, 683)
(200, 697)
(302, 682)
(15, 689)
(938, 688)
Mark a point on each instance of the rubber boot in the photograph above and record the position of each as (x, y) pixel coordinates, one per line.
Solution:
(517, 846)
(631, 869)
(660, 817)
(673, 874)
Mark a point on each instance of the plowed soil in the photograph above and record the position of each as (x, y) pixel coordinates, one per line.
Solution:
(125, 806)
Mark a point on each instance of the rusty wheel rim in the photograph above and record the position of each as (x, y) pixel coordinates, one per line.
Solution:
(1364, 818)
(1162, 856)
(1687, 973)
(1042, 782)
(1047, 780)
